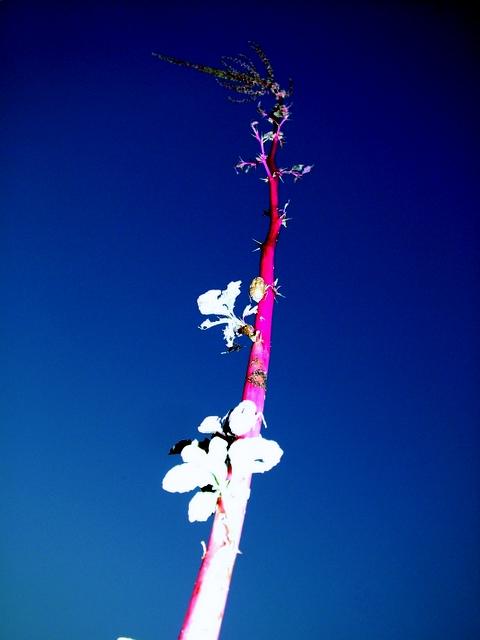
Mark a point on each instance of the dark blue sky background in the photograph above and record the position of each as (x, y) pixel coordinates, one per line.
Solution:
(120, 205)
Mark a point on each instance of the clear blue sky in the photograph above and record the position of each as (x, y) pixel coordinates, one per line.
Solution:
(120, 205)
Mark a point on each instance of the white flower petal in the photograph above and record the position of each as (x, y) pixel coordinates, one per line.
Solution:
(216, 302)
(254, 455)
(186, 477)
(212, 462)
(217, 452)
(212, 424)
(206, 324)
(202, 505)
(231, 293)
(209, 303)
(217, 449)
(249, 310)
(221, 303)
(242, 419)
(229, 333)
(200, 468)
(194, 454)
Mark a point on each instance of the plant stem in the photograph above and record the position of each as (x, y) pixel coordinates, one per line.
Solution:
(207, 604)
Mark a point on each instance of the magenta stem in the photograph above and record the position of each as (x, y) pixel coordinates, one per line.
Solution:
(207, 604)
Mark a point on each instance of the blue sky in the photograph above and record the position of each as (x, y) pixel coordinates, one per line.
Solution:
(120, 206)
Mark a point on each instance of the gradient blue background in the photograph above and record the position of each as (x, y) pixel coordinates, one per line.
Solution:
(120, 205)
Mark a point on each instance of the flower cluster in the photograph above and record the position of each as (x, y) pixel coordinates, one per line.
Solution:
(221, 303)
(214, 465)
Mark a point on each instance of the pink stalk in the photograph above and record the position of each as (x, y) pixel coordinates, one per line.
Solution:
(207, 604)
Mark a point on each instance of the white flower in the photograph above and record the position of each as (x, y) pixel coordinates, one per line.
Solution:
(221, 303)
(200, 469)
(212, 424)
(218, 302)
(243, 418)
(254, 455)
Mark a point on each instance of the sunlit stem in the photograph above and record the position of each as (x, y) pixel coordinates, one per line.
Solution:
(207, 604)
